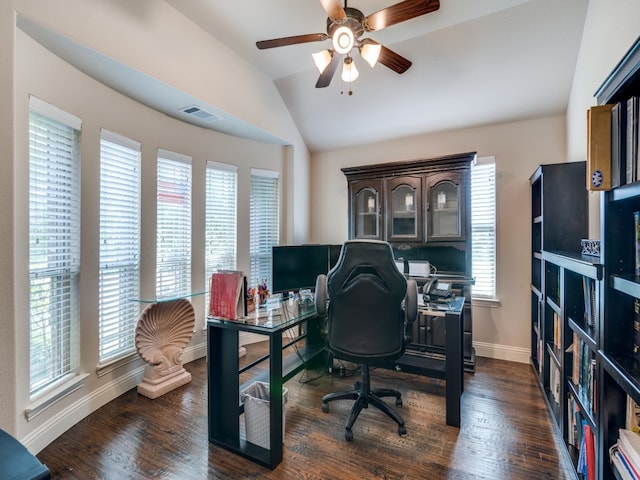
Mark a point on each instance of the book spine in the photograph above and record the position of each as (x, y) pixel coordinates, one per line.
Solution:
(632, 139)
(618, 147)
(636, 221)
(636, 327)
(590, 454)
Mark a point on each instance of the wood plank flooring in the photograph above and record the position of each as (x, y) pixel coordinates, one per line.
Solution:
(506, 433)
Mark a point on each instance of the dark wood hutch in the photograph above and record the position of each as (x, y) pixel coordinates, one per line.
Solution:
(423, 209)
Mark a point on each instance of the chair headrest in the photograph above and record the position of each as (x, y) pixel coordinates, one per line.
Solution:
(370, 257)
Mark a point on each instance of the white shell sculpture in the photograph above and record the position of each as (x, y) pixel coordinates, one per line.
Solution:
(164, 330)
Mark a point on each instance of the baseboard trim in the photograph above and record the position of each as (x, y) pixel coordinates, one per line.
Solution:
(502, 352)
(67, 418)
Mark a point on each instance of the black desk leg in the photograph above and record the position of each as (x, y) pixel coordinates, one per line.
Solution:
(454, 368)
(223, 386)
(275, 398)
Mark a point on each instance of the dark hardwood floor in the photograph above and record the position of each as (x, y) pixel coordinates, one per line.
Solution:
(506, 433)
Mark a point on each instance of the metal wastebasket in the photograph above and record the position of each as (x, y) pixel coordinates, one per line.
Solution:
(256, 413)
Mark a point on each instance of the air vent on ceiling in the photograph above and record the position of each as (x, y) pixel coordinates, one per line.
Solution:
(201, 114)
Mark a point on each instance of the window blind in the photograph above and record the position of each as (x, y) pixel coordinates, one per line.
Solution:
(54, 247)
(119, 276)
(220, 219)
(483, 227)
(264, 224)
(173, 251)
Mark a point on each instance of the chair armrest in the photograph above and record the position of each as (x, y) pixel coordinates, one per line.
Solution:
(411, 301)
(321, 294)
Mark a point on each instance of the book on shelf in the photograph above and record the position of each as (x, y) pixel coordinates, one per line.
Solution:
(618, 145)
(590, 310)
(587, 457)
(583, 373)
(555, 377)
(575, 348)
(227, 295)
(636, 327)
(632, 420)
(621, 464)
(629, 449)
(633, 105)
(636, 229)
(599, 147)
(574, 434)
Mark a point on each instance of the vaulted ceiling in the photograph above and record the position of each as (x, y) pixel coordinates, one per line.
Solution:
(474, 62)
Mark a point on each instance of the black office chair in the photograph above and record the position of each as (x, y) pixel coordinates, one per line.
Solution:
(363, 297)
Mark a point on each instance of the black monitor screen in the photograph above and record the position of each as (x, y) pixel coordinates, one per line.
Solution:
(296, 267)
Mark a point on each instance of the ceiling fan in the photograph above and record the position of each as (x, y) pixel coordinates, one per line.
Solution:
(345, 26)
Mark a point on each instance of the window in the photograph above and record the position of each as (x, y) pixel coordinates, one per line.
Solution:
(483, 227)
(119, 280)
(173, 251)
(54, 245)
(221, 219)
(264, 224)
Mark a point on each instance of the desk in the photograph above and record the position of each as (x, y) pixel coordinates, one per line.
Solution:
(446, 364)
(223, 372)
(434, 334)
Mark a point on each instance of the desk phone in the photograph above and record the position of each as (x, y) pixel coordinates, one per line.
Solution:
(436, 289)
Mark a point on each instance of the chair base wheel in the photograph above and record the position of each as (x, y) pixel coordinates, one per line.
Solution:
(325, 407)
(402, 430)
(398, 402)
(348, 435)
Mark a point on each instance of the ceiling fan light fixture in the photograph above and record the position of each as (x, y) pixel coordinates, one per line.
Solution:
(322, 59)
(343, 39)
(349, 71)
(371, 52)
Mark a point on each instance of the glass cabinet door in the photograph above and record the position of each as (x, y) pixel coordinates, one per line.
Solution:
(366, 213)
(445, 209)
(404, 218)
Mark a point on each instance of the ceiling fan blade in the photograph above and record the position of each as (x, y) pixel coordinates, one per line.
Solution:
(327, 75)
(284, 41)
(394, 61)
(334, 9)
(399, 12)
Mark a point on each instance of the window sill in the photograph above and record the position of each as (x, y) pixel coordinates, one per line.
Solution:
(48, 399)
(108, 367)
(486, 302)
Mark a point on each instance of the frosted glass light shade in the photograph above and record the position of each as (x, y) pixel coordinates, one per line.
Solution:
(343, 39)
(349, 71)
(322, 59)
(370, 52)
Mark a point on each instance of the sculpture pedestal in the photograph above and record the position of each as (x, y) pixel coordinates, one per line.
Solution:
(164, 330)
(155, 388)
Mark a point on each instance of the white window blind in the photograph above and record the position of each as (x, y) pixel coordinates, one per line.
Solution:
(54, 245)
(221, 219)
(483, 227)
(264, 224)
(173, 252)
(119, 280)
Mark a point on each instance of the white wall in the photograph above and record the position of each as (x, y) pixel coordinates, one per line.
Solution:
(7, 300)
(135, 32)
(501, 332)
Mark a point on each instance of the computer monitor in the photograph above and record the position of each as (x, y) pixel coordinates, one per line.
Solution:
(296, 267)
